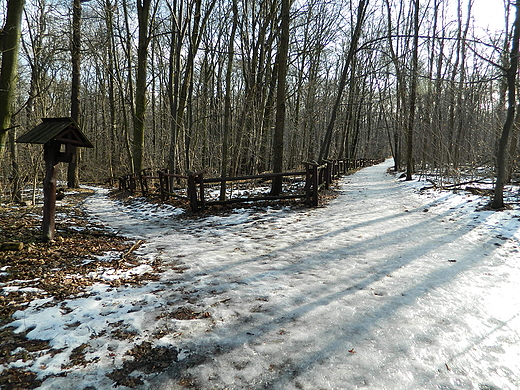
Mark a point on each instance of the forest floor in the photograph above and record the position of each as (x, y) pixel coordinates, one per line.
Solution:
(390, 286)
(61, 270)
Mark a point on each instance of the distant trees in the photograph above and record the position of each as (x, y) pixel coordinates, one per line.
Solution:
(199, 84)
(342, 82)
(188, 22)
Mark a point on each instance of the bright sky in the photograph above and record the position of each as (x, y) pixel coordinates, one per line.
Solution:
(490, 14)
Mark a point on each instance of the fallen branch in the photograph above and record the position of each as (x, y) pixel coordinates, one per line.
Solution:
(450, 187)
(132, 248)
(463, 184)
(11, 246)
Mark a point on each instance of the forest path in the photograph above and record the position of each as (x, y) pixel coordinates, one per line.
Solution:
(384, 288)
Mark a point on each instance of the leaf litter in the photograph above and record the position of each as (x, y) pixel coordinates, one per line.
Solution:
(53, 272)
(370, 291)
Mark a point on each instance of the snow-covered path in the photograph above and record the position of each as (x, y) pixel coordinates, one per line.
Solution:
(382, 289)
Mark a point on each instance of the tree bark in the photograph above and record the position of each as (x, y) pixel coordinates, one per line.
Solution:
(109, 23)
(9, 44)
(72, 170)
(283, 51)
(143, 14)
(510, 74)
(16, 190)
(174, 68)
(227, 104)
(396, 138)
(129, 85)
(413, 95)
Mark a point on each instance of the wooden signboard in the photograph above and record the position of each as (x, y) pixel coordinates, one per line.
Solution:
(60, 137)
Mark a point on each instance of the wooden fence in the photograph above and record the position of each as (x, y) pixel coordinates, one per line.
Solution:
(202, 192)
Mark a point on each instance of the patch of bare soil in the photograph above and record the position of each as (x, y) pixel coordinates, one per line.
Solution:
(59, 270)
(146, 359)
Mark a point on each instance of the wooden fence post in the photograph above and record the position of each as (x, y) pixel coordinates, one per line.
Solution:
(51, 150)
(200, 179)
(307, 185)
(328, 174)
(168, 181)
(131, 182)
(315, 185)
(142, 182)
(161, 184)
(192, 192)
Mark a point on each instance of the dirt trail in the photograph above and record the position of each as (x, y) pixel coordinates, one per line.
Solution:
(383, 288)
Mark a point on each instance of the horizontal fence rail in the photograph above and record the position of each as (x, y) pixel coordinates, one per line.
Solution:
(202, 192)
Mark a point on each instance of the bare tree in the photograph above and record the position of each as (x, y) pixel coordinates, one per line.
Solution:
(187, 24)
(226, 131)
(361, 14)
(413, 94)
(9, 44)
(281, 60)
(143, 15)
(72, 172)
(510, 75)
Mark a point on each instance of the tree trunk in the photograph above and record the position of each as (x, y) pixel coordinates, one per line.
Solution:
(109, 22)
(16, 191)
(400, 112)
(459, 136)
(227, 104)
(174, 69)
(9, 44)
(283, 51)
(513, 146)
(143, 13)
(129, 86)
(413, 96)
(510, 74)
(72, 170)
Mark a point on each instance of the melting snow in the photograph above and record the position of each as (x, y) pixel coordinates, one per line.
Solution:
(384, 288)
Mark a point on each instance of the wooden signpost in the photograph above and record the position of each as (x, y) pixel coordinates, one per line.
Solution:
(60, 138)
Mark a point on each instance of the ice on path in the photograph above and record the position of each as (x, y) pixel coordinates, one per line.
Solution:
(384, 288)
